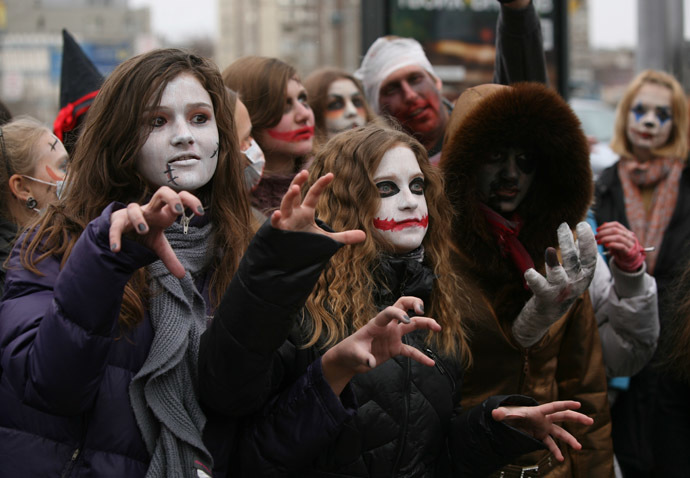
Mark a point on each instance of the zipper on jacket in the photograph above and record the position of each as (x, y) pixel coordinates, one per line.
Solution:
(75, 454)
(439, 365)
(68, 469)
(406, 411)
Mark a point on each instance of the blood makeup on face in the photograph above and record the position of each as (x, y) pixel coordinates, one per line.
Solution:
(292, 137)
(300, 134)
(345, 107)
(505, 178)
(650, 119)
(181, 151)
(402, 217)
(412, 97)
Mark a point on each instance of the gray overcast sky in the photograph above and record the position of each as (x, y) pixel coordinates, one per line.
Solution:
(176, 19)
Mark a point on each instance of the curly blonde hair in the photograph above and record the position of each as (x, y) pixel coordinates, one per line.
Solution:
(342, 300)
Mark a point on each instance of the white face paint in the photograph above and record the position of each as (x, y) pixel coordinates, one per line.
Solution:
(182, 149)
(345, 107)
(504, 179)
(402, 217)
(650, 119)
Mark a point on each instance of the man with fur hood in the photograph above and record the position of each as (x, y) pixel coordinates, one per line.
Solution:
(517, 172)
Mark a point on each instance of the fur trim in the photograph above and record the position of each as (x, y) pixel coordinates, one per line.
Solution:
(536, 119)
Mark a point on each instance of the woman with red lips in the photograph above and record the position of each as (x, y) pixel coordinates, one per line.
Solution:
(282, 121)
(338, 102)
(648, 191)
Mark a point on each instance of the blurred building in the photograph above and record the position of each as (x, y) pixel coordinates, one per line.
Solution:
(595, 73)
(31, 46)
(307, 34)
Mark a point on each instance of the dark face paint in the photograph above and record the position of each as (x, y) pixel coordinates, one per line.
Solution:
(505, 178)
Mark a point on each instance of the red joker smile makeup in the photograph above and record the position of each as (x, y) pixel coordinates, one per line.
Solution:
(402, 217)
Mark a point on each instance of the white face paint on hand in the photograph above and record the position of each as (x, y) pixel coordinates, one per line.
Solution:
(504, 179)
(345, 107)
(402, 217)
(650, 119)
(181, 150)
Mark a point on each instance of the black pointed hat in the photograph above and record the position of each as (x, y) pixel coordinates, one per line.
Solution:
(80, 81)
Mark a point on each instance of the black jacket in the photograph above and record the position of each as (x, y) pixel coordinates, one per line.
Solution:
(400, 419)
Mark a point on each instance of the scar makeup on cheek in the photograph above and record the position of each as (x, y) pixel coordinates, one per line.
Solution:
(216, 150)
(169, 175)
(52, 146)
(300, 134)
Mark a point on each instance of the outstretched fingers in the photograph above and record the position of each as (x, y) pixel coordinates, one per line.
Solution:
(315, 191)
(587, 245)
(569, 253)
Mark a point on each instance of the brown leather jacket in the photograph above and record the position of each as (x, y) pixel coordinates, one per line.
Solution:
(567, 362)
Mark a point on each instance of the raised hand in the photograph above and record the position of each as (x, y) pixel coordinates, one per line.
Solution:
(297, 215)
(623, 245)
(151, 220)
(379, 340)
(556, 292)
(540, 421)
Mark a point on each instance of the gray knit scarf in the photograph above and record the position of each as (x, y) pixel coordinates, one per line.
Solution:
(164, 392)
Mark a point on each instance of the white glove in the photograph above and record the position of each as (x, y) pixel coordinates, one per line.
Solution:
(556, 292)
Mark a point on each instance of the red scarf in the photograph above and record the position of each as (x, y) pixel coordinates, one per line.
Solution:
(506, 233)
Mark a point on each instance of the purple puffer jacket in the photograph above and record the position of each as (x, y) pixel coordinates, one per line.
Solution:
(65, 369)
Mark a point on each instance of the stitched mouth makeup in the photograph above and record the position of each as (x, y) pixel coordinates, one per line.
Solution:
(294, 136)
(392, 225)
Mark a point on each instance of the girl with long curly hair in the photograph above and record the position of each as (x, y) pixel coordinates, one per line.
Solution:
(325, 390)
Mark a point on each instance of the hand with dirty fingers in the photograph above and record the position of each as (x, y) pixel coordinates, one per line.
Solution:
(555, 293)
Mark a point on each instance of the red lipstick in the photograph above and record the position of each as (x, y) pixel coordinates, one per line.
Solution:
(391, 225)
(293, 136)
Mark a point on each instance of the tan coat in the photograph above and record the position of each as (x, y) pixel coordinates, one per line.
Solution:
(567, 362)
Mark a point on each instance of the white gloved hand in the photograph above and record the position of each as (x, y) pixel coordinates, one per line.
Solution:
(555, 293)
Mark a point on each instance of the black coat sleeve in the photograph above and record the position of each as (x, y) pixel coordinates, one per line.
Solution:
(479, 445)
(237, 352)
(519, 47)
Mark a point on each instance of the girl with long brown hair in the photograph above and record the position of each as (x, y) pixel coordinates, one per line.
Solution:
(282, 121)
(325, 391)
(108, 293)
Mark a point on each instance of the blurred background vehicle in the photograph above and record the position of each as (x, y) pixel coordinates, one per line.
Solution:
(597, 119)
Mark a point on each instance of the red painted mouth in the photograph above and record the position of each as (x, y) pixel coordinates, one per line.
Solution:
(293, 136)
(507, 193)
(391, 225)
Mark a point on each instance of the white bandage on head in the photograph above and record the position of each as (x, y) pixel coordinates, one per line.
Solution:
(385, 56)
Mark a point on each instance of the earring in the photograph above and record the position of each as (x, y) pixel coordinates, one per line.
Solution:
(31, 203)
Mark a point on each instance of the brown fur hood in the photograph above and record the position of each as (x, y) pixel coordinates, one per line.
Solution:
(536, 119)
